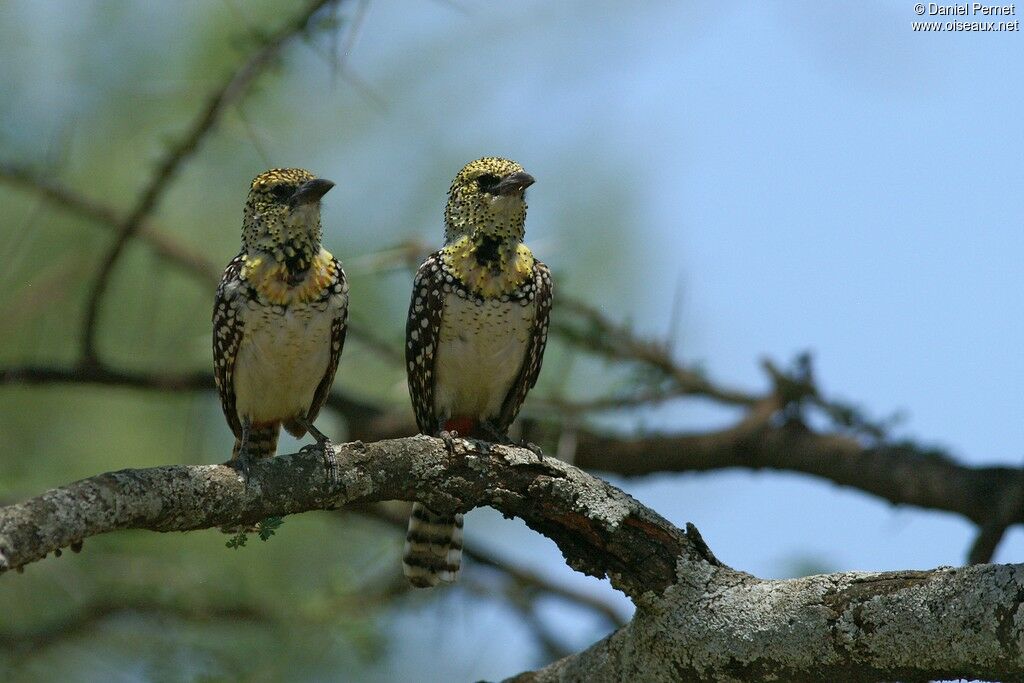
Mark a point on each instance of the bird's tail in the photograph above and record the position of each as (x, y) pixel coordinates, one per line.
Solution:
(433, 547)
(262, 441)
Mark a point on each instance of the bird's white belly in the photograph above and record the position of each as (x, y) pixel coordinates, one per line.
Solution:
(281, 360)
(481, 348)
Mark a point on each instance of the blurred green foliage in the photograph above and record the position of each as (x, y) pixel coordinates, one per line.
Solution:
(93, 92)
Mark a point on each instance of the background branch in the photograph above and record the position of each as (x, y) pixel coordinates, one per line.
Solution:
(899, 473)
(227, 93)
(86, 618)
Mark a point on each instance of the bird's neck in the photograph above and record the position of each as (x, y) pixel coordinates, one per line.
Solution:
(295, 253)
(504, 217)
(284, 275)
(291, 240)
(489, 265)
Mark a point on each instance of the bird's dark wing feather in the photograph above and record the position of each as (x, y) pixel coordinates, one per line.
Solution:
(227, 334)
(422, 330)
(534, 351)
(339, 326)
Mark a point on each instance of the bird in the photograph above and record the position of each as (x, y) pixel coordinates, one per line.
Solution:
(475, 338)
(279, 319)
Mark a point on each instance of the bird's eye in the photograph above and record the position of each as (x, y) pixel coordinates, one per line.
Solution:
(487, 182)
(283, 192)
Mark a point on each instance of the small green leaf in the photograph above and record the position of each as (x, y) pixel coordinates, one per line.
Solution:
(237, 541)
(267, 527)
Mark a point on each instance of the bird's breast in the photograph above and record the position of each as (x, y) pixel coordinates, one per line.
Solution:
(481, 347)
(282, 357)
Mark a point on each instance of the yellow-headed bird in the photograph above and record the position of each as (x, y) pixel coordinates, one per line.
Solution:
(475, 337)
(279, 318)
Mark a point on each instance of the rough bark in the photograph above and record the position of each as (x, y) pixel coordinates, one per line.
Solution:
(601, 530)
(717, 625)
(696, 619)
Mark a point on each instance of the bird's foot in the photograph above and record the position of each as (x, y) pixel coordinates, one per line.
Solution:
(330, 461)
(495, 435)
(243, 465)
(449, 440)
(326, 448)
(243, 457)
(498, 437)
(535, 448)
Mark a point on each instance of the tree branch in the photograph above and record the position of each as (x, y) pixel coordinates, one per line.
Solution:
(592, 330)
(696, 619)
(719, 626)
(1004, 511)
(899, 473)
(602, 530)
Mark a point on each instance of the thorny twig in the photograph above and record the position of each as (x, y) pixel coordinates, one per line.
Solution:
(234, 87)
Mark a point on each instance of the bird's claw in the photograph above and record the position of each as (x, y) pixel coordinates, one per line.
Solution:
(503, 439)
(449, 440)
(330, 462)
(326, 447)
(243, 465)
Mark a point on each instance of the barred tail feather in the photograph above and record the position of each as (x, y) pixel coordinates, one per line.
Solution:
(433, 547)
(262, 441)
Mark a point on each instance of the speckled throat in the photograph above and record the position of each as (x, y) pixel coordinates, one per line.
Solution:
(278, 284)
(488, 267)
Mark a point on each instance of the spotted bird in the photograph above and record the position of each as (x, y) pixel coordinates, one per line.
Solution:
(475, 337)
(279, 318)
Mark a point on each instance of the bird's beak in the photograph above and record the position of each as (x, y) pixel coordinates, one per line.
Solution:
(513, 183)
(310, 191)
